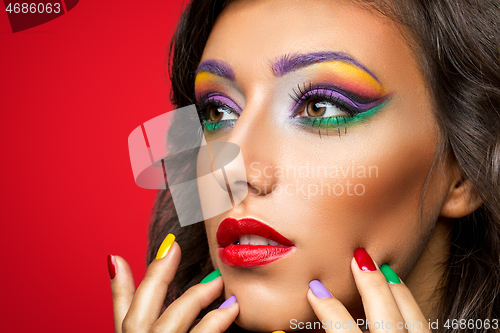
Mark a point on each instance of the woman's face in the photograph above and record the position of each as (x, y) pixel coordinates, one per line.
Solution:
(336, 128)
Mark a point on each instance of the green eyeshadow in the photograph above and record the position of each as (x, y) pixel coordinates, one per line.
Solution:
(337, 123)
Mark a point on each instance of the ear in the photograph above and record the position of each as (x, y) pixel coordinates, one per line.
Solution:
(461, 200)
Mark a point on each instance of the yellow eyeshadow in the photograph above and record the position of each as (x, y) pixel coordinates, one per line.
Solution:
(352, 72)
(203, 77)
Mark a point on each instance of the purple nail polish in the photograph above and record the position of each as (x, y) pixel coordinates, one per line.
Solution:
(228, 302)
(319, 289)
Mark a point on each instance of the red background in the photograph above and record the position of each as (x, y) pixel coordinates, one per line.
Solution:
(71, 91)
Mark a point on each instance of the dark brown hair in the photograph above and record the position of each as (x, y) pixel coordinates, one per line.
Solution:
(457, 43)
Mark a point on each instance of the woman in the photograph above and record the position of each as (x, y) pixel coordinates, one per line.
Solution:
(409, 90)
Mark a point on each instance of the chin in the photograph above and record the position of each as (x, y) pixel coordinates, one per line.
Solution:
(261, 312)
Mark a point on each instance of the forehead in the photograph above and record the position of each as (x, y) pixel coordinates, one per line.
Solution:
(252, 35)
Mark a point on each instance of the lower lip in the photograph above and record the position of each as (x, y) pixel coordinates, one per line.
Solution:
(252, 255)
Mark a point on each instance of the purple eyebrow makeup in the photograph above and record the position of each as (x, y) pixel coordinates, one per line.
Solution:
(216, 67)
(291, 62)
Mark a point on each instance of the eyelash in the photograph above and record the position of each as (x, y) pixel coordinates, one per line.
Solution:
(303, 95)
(306, 94)
(202, 105)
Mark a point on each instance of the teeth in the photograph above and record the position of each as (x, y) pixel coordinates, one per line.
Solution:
(255, 240)
(273, 243)
(258, 240)
(245, 240)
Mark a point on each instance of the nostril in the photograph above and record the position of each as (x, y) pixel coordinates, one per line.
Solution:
(243, 187)
(240, 183)
(239, 190)
(255, 190)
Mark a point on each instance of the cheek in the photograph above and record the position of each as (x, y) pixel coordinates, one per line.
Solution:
(369, 197)
(387, 217)
(210, 227)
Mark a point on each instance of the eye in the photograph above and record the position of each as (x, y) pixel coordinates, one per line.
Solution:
(216, 113)
(321, 108)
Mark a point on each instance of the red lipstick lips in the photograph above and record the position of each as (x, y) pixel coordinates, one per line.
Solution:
(247, 255)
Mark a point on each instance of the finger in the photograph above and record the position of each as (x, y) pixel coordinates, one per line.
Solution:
(410, 310)
(122, 288)
(180, 315)
(150, 295)
(382, 312)
(332, 314)
(218, 321)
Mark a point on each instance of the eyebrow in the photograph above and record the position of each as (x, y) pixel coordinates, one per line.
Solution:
(216, 67)
(291, 62)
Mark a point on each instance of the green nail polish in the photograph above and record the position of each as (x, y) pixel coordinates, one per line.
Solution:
(210, 277)
(389, 274)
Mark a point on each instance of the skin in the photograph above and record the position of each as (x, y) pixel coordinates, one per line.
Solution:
(388, 219)
(400, 140)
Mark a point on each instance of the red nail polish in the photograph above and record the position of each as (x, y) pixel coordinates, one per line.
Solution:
(111, 266)
(365, 262)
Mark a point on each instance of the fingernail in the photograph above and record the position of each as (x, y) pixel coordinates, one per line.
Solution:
(389, 274)
(111, 266)
(210, 277)
(365, 262)
(319, 290)
(279, 332)
(165, 246)
(228, 302)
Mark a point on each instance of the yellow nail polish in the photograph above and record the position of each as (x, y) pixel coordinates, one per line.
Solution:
(279, 332)
(165, 246)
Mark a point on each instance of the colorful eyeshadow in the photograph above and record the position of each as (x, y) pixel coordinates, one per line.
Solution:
(347, 85)
(348, 77)
(336, 125)
(204, 79)
(214, 126)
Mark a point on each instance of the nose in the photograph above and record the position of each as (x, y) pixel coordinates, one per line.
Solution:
(256, 173)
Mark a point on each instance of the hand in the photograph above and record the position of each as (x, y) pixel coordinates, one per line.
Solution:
(137, 311)
(388, 306)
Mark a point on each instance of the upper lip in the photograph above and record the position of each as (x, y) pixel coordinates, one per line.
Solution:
(231, 229)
